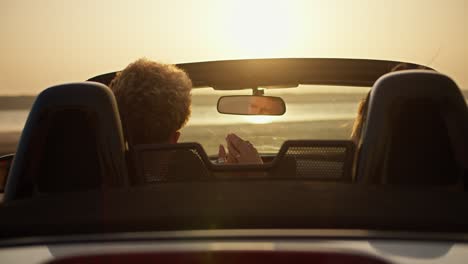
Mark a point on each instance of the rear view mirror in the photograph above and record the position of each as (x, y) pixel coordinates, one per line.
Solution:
(251, 105)
(5, 164)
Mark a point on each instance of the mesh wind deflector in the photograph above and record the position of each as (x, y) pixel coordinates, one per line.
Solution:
(320, 160)
(302, 159)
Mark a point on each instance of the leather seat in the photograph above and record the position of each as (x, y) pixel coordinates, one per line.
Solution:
(156, 163)
(72, 141)
(416, 131)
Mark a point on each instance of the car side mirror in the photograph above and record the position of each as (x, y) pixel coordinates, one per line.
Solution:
(5, 164)
(251, 105)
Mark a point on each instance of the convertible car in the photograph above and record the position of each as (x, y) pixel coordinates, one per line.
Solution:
(76, 192)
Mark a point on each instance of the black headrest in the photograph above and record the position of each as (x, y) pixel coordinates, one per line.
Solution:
(72, 141)
(416, 131)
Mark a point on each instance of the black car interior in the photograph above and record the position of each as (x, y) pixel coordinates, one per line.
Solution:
(414, 140)
(414, 134)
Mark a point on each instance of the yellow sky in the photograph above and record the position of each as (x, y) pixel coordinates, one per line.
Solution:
(47, 42)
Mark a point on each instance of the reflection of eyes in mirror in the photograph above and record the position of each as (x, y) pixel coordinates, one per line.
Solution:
(264, 106)
(251, 105)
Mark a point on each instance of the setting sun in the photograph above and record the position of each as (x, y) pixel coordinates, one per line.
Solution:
(259, 28)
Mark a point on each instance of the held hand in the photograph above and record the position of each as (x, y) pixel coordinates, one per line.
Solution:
(224, 157)
(240, 151)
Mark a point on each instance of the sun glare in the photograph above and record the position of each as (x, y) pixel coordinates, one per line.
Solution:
(261, 119)
(259, 28)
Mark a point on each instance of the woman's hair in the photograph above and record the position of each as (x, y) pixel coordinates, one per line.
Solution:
(360, 119)
(153, 99)
(406, 66)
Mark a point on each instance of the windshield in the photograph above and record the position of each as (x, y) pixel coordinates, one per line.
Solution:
(312, 112)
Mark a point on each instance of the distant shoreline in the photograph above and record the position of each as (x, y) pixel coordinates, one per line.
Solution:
(212, 135)
(25, 102)
(9, 141)
(16, 102)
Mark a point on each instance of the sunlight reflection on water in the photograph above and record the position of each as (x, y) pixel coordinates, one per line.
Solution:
(208, 115)
(13, 120)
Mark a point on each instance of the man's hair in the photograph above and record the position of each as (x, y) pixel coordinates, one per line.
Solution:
(153, 100)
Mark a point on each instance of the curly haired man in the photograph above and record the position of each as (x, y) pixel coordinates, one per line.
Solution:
(154, 101)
